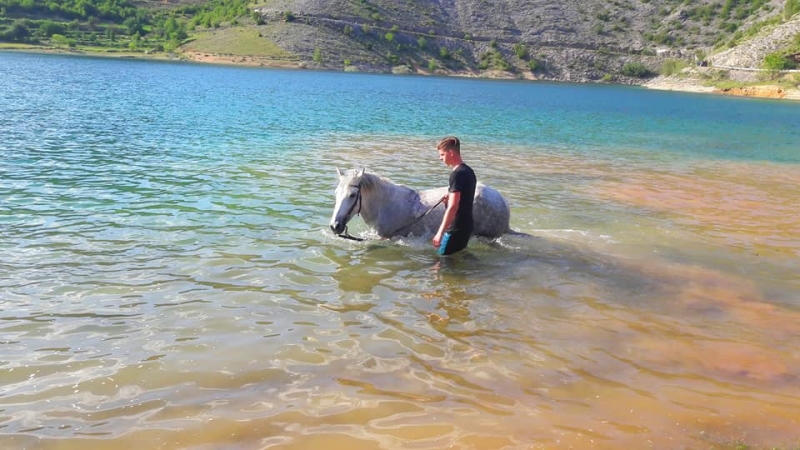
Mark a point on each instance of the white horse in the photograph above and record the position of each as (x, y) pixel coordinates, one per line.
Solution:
(395, 210)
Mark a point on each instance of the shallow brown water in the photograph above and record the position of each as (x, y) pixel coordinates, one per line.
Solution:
(652, 308)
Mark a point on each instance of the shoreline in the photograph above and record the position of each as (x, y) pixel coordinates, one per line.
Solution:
(695, 85)
(663, 83)
(238, 60)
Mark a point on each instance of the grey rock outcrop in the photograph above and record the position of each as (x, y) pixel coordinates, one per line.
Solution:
(750, 54)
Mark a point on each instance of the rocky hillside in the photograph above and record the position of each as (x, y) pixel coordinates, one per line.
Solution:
(751, 53)
(747, 69)
(572, 40)
(621, 41)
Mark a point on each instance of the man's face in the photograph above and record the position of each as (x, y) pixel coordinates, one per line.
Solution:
(446, 156)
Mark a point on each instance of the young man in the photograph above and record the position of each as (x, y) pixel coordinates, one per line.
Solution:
(456, 227)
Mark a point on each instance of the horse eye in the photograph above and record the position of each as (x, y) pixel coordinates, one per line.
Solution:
(352, 195)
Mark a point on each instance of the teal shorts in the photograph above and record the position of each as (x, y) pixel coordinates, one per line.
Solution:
(452, 243)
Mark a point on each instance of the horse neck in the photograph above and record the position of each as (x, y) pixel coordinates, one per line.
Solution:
(386, 206)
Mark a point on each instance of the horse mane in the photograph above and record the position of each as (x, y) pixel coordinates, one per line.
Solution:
(369, 181)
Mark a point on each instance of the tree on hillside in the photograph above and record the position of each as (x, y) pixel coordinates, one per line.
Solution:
(173, 30)
(134, 26)
(134, 43)
(19, 32)
(48, 28)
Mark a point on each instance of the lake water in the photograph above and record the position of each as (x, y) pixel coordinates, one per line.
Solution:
(168, 279)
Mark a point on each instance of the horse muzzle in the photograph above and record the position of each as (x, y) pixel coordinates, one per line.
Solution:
(337, 227)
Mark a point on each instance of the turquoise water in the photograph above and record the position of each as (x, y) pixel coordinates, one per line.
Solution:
(168, 276)
(272, 109)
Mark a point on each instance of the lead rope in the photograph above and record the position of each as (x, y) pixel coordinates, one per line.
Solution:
(418, 218)
(347, 235)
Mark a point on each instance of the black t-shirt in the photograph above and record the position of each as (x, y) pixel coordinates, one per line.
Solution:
(462, 179)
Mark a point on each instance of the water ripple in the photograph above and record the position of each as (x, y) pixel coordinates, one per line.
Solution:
(167, 276)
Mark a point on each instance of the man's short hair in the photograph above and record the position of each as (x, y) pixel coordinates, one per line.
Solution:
(450, 143)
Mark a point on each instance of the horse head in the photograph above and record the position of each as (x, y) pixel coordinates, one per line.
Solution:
(348, 199)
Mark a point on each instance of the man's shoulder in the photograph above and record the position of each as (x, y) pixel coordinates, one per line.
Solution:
(465, 169)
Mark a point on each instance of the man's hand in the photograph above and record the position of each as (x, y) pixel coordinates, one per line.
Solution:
(451, 200)
(437, 240)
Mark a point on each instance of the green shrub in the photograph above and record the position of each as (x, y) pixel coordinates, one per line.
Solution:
(422, 42)
(673, 66)
(257, 18)
(493, 59)
(19, 31)
(730, 27)
(431, 65)
(59, 40)
(48, 28)
(317, 56)
(661, 38)
(170, 46)
(389, 37)
(700, 55)
(636, 69)
(444, 53)
(777, 62)
(521, 50)
(791, 8)
(134, 26)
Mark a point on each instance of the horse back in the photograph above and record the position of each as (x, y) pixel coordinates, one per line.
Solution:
(490, 211)
(491, 215)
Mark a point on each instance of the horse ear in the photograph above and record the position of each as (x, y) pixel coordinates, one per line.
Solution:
(339, 172)
(363, 171)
